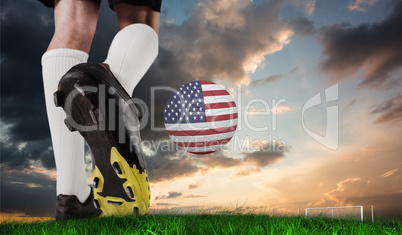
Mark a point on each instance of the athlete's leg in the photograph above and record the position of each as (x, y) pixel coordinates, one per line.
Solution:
(128, 14)
(135, 46)
(75, 24)
(121, 183)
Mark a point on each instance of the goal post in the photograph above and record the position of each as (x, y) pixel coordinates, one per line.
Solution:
(330, 210)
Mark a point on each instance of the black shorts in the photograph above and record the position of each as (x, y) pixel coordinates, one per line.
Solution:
(154, 4)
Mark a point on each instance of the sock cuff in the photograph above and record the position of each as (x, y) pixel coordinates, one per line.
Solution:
(140, 29)
(65, 52)
(133, 50)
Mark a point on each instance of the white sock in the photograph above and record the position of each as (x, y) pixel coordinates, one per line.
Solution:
(131, 53)
(68, 147)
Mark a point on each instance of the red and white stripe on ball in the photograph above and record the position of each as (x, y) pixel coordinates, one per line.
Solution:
(214, 123)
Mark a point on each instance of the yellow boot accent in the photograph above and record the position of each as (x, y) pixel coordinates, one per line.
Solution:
(137, 181)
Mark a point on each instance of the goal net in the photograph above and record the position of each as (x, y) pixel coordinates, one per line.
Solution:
(344, 212)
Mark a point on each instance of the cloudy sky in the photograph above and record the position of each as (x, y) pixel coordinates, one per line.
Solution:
(272, 56)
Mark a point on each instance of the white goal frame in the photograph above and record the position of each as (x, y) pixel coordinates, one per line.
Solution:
(332, 210)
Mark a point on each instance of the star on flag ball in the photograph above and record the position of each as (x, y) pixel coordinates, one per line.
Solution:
(201, 117)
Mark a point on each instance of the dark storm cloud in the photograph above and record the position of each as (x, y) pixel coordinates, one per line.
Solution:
(23, 40)
(374, 47)
(218, 159)
(263, 158)
(218, 42)
(389, 110)
(169, 165)
(26, 30)
(302, 26)
(268, 154)
(20, 156)
(29, 191)
(169, 196)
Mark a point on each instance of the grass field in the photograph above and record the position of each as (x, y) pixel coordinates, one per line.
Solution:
(204, 224)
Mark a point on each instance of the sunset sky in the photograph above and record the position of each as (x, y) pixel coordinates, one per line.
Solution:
(264, 53)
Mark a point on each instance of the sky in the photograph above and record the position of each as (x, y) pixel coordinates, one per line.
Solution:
(318, 90)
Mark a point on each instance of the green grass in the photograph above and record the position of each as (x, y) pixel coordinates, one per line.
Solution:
(204, 224)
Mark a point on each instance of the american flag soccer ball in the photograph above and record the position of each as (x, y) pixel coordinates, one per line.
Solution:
(201, 117)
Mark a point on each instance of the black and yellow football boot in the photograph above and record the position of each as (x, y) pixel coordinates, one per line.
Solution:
(99, 108)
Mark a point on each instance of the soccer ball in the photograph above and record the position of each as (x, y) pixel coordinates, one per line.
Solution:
(201, 117)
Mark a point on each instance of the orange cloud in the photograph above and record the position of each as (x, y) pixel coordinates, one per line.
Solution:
(383, 192)
(361, 5)
(309, 6)
(280, 109)
(389, 173)
(247, 171)
(333, 196)
(344, 181)
(369, 149)
(33, 169)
